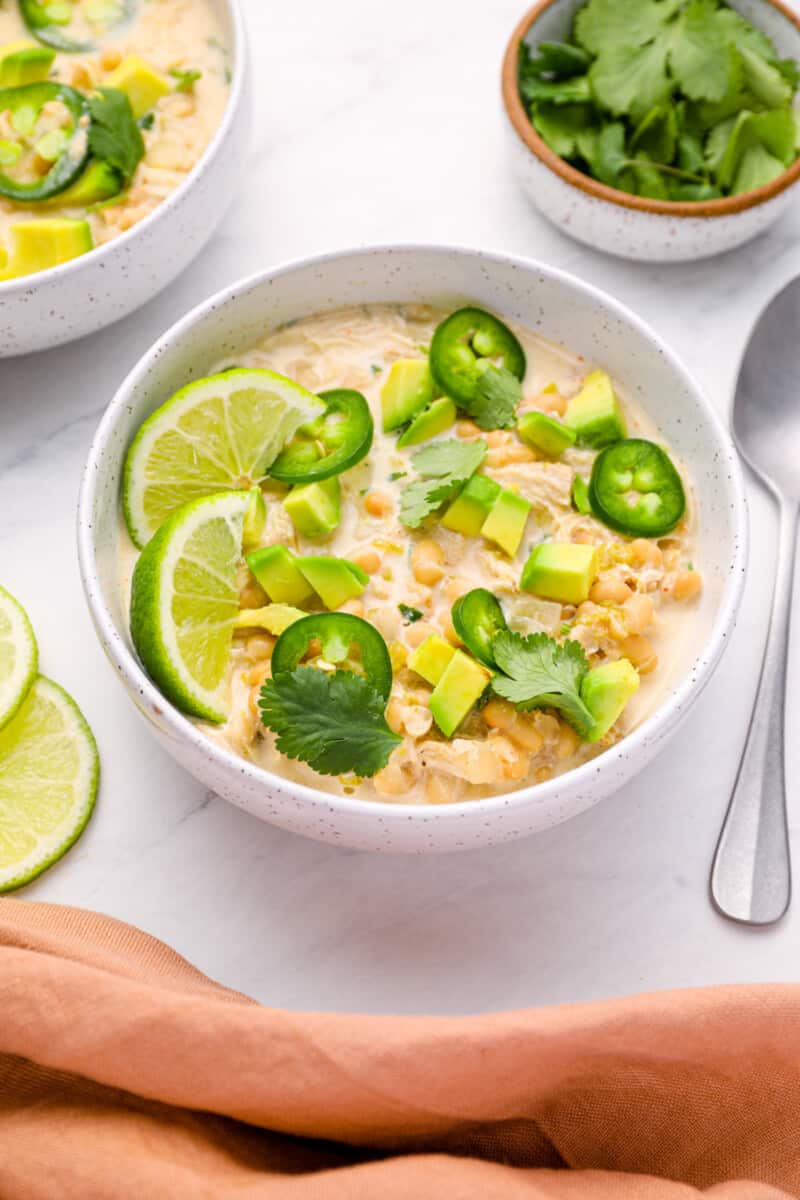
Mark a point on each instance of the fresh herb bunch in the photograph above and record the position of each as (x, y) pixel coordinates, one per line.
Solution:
(669, 99)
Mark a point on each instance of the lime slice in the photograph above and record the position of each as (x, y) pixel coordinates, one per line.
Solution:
(18, 656)
(48, 783)
(220, 433)
(184, 603)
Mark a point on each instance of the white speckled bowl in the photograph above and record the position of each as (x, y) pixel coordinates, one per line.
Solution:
(548, 301)
(614, 221)
(83, 295)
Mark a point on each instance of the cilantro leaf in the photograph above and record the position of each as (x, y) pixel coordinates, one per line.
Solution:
(657, 135)
(114, 135)
(557, 91)
(630, 80)
(410, 615)
(497, 395)
(610, 157)
(702, 61)
(445, 466)
(539, 672)
(757, 168)
(557, 59)
(763, 80)
(690, 152)
(185, 80)
(334, 722)
(649, 180)
(604, 23)
(739, 32)
(561, 126)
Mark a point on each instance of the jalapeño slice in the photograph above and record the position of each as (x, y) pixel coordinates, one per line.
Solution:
(636, 490)
(337, 633)
(466, 345)
(332, 443)
(477, 618)
(69, 148)
(48, 21)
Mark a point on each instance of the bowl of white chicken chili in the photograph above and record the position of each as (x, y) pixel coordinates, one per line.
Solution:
(412, 549)
(123, 130)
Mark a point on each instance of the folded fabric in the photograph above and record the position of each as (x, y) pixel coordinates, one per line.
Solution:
(125, 1073)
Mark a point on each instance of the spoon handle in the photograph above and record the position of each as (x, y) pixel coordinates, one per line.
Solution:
(751, 879)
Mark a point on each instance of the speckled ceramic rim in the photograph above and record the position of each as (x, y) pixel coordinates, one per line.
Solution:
(638, 743)
(96, 256)
(670, 208)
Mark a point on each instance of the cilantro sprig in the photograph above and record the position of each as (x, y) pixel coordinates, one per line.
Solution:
(497, 395)
(539, 672)
(445, 467)
(114, 135)
(671, 99)
(335, 722)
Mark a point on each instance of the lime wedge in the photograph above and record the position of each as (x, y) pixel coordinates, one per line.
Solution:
(48, 783)
(18, 656)
(184, 603)
(220, 433)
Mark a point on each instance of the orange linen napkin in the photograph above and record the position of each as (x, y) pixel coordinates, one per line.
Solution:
(125, 1073)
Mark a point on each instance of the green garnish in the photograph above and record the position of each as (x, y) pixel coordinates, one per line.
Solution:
(147, 121)
(410, 615)
(395, 475)
(445, 467)
(671, 99)
(185, 80)
(334, 722)
(497, 395)
(375, 368)
(539, 672)
(114, 135)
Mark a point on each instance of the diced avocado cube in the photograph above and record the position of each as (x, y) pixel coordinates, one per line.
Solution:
(335, 580)
(436, 418)
(506, 523)
(24, 62)
(275, 569)
(143, 85)
(42, 243)
(580, 496)
(315, 508)
(254, 520)
(545, 433)
(457, 692)
(431, 659)
(594, 415)
(563, 571)
(605, 691)
(275, 618)
(100, 181)
(408, 389)
(472, 506)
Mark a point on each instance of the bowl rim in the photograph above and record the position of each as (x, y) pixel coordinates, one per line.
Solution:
(655, 727)
(523, 127)
(96, 256)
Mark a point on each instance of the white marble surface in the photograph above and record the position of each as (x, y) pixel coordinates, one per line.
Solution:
(370, 129)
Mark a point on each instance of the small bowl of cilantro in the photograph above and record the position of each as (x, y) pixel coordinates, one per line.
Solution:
(661, 130)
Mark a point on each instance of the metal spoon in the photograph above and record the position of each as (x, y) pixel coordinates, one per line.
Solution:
(751, 876)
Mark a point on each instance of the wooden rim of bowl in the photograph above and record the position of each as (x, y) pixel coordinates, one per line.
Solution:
(524, 129)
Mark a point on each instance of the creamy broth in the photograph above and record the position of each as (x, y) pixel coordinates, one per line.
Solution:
(494, 751)
(169, 36)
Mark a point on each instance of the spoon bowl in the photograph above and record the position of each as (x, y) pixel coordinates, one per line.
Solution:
(766, 412)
